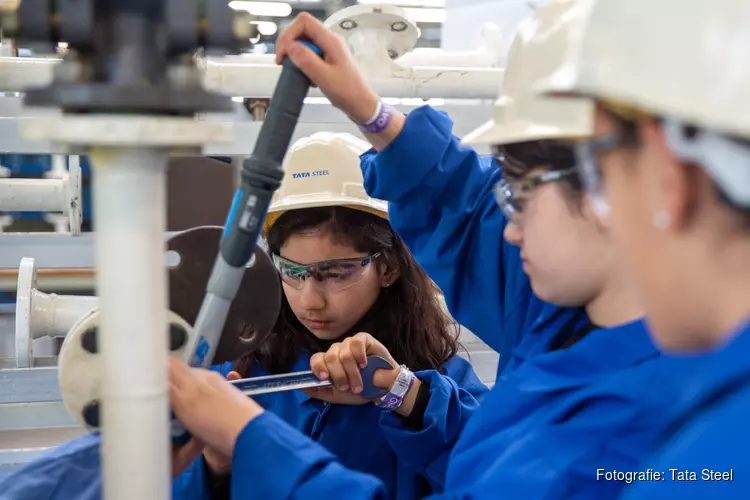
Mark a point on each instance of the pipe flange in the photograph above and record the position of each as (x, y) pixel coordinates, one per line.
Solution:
(107, 98)
(24, 291)
(255, 308)
(391, 24)
(74, 199)
(118, 130)
(80, 365)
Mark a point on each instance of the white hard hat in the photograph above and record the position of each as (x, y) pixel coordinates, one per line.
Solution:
(323, 170)
(520, 113)
(688, 60)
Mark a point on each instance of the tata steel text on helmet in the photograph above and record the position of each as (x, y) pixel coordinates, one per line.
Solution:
(323, 170)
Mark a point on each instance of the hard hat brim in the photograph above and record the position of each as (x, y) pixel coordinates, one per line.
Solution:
(374, 207)
(494, 134)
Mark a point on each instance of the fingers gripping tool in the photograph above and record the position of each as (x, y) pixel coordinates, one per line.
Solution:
(308, 380)
(296, 381)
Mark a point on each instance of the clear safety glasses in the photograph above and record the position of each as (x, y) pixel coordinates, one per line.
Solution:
(512, 195)
(587, 152)
(328, 276)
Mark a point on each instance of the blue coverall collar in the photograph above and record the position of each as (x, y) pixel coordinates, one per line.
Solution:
(727, 362)
(602, 351)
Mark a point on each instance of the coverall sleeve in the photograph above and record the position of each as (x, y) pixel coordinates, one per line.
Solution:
(442, 204)
(274, 461)
(72, 470)
(191, 484)
(454, 397)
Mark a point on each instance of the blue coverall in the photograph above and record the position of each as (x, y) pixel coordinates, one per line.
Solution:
(707, 455)
(554, 416)
(367, 439)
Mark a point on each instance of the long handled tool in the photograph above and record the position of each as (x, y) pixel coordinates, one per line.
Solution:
(261, 177)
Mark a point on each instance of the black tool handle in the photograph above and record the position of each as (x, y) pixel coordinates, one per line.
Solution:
(262, 172)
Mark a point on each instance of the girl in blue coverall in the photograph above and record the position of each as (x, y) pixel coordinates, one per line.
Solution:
(670, 165)
(344, 271)
(579, 388)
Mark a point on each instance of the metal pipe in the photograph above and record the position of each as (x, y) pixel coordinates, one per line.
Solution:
(438, 57)
(34, 195)
(59, 282)
(422, 56)
(19, 73)
(54, 315)
(233, 75)
(59, 167)
(129, 203)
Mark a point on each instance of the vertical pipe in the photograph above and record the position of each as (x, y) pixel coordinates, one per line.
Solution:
(130, 219)
(59, 167)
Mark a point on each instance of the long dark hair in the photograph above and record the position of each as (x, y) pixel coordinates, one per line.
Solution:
(407, 316)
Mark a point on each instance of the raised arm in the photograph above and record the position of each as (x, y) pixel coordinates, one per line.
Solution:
(442, 203)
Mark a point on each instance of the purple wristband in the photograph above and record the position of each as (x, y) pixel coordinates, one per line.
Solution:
(383, 117)
(395, 397)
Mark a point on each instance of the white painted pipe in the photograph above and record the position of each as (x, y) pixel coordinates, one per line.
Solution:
(130, 208)
(19, 73)
(59, 167)
(7, 48)
(5, 221)
(34, 195)
(40, 315)
(59, 192)
(54, 315)
(232, 76)
(60, 223)
(422, 56)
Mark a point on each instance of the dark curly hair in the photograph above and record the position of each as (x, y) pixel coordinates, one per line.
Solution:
(407, 316)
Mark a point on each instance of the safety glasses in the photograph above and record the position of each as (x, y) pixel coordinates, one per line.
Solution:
(589, 170)
(329, 276)
(511, 196)
(589, 150)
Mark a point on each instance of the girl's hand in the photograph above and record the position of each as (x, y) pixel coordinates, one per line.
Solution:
(213, 410)
(342, 363)
(217, 461)
(336, 73)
